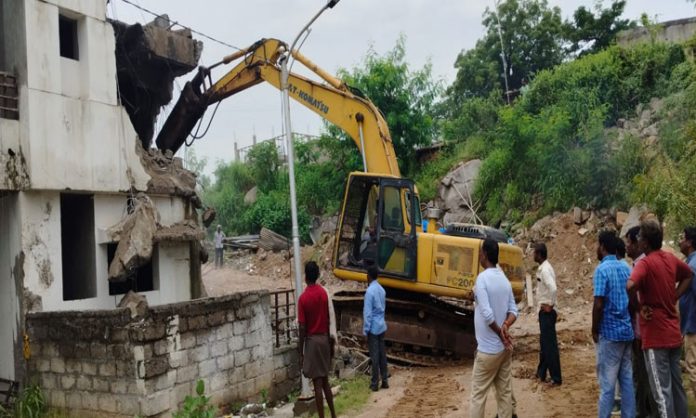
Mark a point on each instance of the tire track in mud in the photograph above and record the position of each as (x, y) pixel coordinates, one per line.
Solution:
(430, 393)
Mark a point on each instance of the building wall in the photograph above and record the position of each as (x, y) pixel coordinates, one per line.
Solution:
(41, 243)
(74, 134)
(105, 363)
(10, 286)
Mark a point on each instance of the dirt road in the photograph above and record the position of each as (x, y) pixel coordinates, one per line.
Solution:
(444, 392)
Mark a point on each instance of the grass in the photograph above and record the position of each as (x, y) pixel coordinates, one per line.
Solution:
(352, 396)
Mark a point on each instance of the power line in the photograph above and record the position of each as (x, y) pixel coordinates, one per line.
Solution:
(137, 6)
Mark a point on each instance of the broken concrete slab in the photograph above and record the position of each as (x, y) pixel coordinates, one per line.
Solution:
(135, 236)
(186, 230)
(148, 59)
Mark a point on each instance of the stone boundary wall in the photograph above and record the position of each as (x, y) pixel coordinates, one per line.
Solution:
(110, 364)
(673, 31)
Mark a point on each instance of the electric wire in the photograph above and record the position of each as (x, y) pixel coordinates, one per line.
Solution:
(137, 6)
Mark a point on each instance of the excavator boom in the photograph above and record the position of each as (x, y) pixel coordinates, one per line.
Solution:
(333, 101)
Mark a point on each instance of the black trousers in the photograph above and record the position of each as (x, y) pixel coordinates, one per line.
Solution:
(549, 358)
(378, 358)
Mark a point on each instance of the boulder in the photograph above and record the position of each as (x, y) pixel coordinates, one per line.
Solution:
(635, 215)
(621, 218)
(457, 187)
(580, 216)
(251, 195)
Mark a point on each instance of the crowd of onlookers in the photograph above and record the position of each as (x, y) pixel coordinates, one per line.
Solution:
(643, 315)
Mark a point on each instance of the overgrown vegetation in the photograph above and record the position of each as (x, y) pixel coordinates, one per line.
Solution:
(30, 404)
(197, 406)
(549, 150)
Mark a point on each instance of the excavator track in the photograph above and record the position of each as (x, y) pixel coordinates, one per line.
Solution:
(421, 330)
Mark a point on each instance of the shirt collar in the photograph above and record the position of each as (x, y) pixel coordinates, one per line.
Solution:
(640, 257)
(609, 257)
(544, 263)
(690, 256)
(372, 282)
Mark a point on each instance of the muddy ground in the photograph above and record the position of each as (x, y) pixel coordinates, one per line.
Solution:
(444, 392)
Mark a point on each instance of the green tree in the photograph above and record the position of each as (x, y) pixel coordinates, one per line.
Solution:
(590, 32)
(532, 40)
(405, 97)
(264, 163)
(197, 165)
(232, 181)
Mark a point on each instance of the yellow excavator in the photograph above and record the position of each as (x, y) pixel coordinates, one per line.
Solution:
(429, 275)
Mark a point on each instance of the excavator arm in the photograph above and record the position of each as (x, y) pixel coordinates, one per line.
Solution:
(332, 100)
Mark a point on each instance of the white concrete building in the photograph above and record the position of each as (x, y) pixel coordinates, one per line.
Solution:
(68, 164)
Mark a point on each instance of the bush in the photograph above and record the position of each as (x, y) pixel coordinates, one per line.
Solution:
(272, 211)
(196, 406)
(550, 150)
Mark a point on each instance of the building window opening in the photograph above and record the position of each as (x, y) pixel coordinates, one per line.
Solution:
(141, 279)
(67, 30)
(78, 246)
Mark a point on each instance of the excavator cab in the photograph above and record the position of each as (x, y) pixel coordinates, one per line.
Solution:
(378, 226)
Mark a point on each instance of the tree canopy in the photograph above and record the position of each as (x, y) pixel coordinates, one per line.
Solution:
(405, 97)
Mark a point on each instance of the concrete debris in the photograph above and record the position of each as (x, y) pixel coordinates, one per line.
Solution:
(253, 410)
(136, 303)
(168, 175)
(148, 59)
(583, 231)
(186, 230)
(135, 236)
(455, 193)
(272, 241)
(208, 216)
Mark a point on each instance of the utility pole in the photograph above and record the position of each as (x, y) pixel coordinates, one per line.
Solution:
(297, 257)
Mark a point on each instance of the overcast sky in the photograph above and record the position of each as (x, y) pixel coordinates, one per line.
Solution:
(435, 30)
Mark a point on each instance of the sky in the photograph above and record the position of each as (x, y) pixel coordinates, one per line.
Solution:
(435, 31)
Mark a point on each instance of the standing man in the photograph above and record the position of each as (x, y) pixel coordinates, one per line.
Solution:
(494, 313)
(219, 235)
(549, 358)
(687, 305)
(646, 407)
(374, 328)
(611, 329)
(315, 345)
(661, 278)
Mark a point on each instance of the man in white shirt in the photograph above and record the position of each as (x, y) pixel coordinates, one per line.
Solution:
(494, 313)
(549, 358)
(219, 235)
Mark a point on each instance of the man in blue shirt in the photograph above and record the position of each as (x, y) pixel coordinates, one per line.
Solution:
(612, 331)
(374, 328)
(494, 313)
(687, 305)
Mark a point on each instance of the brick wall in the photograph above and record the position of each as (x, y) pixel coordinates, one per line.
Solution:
(108, 364)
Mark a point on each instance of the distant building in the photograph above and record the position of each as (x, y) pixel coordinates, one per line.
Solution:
(674, 31)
